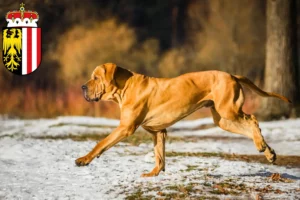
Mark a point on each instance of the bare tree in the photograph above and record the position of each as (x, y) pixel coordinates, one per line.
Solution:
(280, 65)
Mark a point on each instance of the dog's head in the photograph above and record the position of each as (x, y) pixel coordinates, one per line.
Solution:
(106, 79)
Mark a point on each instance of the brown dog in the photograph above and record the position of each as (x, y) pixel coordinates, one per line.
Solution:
(157, 103)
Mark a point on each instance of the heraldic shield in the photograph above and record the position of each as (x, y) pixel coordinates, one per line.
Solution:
(22, 50)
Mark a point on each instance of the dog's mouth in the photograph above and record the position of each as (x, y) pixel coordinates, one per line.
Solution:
(90, 99)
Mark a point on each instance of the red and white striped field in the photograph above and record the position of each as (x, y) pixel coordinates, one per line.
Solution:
(31, 49)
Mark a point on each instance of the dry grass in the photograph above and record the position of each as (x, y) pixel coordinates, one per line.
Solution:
(289, 161)
(84, 47)
(31, 103)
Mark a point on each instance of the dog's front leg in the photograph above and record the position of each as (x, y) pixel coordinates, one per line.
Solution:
(116, 136)
(159, 140)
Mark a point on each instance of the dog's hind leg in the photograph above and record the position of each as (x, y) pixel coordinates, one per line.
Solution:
(159, 139)
(246, 125)
(228, 115)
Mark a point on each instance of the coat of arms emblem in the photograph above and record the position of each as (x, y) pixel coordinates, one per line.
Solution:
(22, 41)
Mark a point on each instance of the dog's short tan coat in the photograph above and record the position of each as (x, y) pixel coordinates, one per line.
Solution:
(157, 103)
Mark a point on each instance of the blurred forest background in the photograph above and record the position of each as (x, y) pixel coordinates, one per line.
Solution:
(160, 38)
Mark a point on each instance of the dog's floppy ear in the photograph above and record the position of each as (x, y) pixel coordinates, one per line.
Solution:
(116, 75)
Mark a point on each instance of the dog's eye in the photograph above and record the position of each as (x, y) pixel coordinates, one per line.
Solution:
(95, 78)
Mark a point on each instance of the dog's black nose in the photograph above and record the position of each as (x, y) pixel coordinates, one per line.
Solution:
(84, 87)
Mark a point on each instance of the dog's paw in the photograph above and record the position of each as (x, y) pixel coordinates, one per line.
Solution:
(154, 172)
(270, 155)
(83, 161)
(151, 174)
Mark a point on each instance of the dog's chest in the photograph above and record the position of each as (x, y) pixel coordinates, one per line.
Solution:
(165, 115)
(159, 119)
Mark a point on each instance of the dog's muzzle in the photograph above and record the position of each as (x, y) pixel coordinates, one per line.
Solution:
(84, 89)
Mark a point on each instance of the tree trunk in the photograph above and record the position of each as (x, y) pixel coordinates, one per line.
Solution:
(280, 65)
(178, 16)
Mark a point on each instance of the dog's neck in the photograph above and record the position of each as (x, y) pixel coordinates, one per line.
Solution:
(118, 94)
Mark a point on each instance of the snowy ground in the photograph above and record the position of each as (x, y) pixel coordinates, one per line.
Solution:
(37, 162)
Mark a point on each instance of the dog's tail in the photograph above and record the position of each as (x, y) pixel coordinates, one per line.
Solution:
(246, 82)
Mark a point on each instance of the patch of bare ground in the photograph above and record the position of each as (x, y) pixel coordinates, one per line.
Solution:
(288, 161)
(176, 192)
(83, 125)
(135, 139)
(143, 137)
(212, 189)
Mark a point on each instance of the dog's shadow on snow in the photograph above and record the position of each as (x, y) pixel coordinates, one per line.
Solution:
(265, 174)
(268, 174)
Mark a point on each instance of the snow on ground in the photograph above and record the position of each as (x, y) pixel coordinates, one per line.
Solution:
(283, 136)
(44, 169)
